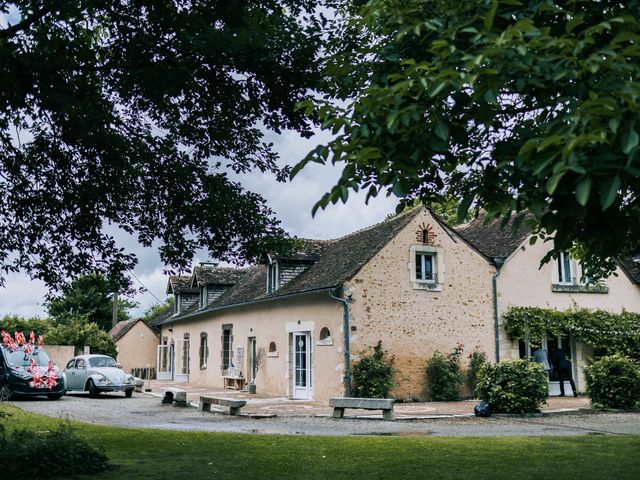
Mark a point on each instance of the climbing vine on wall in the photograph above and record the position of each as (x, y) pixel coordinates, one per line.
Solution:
(608, 333)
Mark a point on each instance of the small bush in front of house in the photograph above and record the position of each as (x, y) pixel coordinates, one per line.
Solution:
(373, 375)
(476, 360)
(614, 382)
(513, 386)
(444, 376)
(46, 454)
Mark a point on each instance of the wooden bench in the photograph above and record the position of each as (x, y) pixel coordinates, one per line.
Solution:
(234, 405)
(233, 383)
(385, 404)
(175, 396)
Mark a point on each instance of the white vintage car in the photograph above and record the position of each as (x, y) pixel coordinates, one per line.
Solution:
(95, 374)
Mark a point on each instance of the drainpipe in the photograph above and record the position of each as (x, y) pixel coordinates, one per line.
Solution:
(499, 262)
(347, 352)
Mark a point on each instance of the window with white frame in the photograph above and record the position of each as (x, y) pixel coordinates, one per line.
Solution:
(425, 267)
(272, 277)
(566, 269)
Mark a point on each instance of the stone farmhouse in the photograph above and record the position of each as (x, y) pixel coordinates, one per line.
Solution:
(295, 325)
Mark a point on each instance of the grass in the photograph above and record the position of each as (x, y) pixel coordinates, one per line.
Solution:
(156, 454)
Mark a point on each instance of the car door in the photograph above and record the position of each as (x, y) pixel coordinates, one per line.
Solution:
(75, 373)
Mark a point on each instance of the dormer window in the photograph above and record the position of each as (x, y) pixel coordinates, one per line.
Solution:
(273, 277)
(203, 296)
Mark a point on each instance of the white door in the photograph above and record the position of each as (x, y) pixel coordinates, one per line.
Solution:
(301, 348)
(165, 362)
(181, 354)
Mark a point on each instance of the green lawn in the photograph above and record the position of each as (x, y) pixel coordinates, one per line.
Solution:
(168, 454)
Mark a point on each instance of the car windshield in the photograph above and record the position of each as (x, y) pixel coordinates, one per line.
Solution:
(19, 358)
(101, 362)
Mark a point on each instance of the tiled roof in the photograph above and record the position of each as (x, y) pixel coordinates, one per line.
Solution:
(122, 328)
(212, 275)
(337, 261)
(631, 266)
(162, 316)
(491, 239)
(180, 283)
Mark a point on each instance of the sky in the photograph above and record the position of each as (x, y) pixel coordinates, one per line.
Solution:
(292, 202)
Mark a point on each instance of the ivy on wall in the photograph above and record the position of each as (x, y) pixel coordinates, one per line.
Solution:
(608, 333)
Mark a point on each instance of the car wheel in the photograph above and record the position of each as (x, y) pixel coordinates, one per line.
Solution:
(128, 393)
(5, 392)
(55, 396)
(93, 391)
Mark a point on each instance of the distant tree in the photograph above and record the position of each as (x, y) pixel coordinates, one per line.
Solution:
(91, 296)
(155, 310)
(77, 330)
(15, 323)
(129, 115)
(516, 107)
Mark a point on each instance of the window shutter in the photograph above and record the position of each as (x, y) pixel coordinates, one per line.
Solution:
(222, 353)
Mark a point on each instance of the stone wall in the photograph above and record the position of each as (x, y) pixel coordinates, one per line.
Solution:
(412, 321)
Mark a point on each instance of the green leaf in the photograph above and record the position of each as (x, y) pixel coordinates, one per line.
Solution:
(490, 16)
(553, 182)
(574, 22)
(609, 191)
(442, 131)
(629, 140)
(614, 123)
(463, 208)
(583, 189)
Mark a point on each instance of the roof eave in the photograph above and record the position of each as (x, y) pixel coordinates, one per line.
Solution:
(287, 296)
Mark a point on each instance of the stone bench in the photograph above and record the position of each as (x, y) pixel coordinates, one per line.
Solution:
(234, 405)
(384, 404)
(175, 396)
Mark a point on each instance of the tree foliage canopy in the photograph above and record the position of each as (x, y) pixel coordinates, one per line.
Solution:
(77, 330)
(513, 105)
(91, 296)
(128, 115)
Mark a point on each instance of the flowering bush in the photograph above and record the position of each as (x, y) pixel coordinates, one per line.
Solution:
(373, 375)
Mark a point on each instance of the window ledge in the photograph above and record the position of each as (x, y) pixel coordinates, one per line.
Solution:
(272, 354)
(434, 287)
(326, 341)
(565, 288)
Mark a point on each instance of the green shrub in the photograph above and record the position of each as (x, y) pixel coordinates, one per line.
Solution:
(59, 453)
(373, 375)
(613, 382)
(513, 386)
(476, 360)
(77, 330)
(444, 376)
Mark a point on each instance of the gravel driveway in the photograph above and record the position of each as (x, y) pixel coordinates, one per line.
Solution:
(145, 411)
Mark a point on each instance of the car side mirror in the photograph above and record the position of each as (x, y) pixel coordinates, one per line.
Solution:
(118, 366)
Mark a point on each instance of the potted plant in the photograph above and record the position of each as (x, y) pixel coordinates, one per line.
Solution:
(257, 361)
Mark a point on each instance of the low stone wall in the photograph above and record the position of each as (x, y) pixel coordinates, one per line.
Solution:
(60, 354)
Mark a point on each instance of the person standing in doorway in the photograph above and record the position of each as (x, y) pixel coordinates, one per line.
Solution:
(564, 371)
(540, 356)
